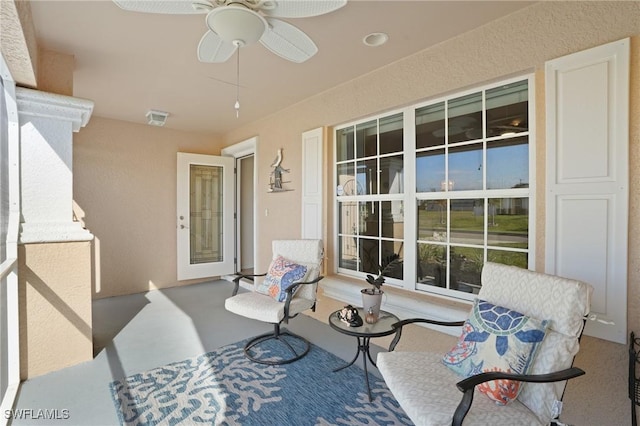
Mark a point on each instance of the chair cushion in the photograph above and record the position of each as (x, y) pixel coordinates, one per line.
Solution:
(282, 274)
(426, 391)
(263, 308)
(495, 338)
(564, 302)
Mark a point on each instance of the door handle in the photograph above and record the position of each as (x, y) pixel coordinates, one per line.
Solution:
(184, 227)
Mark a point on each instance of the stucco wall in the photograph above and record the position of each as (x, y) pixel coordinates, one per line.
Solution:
(55, 316)
(516, 44)
(124, 178)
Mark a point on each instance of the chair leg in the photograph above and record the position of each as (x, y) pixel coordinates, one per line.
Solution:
(266, 357)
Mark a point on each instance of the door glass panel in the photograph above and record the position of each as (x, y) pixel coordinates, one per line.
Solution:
(432, 220)
(392, 252)
(205, 214)
(430, 126)
(508, 163)
(465, 118)
(467, 221)
(518, 259)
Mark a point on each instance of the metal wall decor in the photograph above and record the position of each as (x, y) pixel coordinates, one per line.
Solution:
(275, 177)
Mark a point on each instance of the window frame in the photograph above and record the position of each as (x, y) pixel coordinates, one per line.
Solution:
(411, 198)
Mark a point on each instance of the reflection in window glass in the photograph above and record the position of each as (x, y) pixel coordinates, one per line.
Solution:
(521, 260)
(432, 220)
(508, 222)
(369, 214)
(508, 163)
(465, 118)
(392, 219)
(466, 268)
(346, 179)
(369, 259)
(432, 265)
(367, 177)
(367, 139)
(430, 126)
(465, 167)
(392, 252)
(467, 221)
(348, 218)
(348, 253)
(344, 144)
(507, 109)
(430, 171)
(391, 134)
(391, 175)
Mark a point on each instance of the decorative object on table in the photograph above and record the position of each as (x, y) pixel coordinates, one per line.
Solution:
(225, 387)
(372, 297)
(275, 178)
(350, 315)
(371, 317)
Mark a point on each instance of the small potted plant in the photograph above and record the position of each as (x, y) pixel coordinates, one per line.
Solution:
(372, 297)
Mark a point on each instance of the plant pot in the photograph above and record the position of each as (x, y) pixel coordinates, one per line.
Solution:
(371, 300)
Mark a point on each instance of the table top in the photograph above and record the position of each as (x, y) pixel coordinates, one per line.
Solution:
(378, 329)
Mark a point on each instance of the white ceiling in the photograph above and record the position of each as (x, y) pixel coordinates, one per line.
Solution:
(129, 62)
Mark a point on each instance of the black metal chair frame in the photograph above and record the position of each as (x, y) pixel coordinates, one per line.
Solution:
(278, 334)
(634, 380)
(467, 386)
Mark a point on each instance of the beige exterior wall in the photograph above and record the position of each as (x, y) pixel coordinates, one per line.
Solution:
(55, 306)
(515, 45)
(124, 178)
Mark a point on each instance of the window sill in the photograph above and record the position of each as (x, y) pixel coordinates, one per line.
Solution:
(403, 303)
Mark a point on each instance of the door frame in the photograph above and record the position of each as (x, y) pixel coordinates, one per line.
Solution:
(238, 151)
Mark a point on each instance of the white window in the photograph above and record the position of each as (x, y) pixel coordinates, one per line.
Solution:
(465, 161)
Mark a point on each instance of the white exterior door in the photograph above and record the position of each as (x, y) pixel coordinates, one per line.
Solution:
(205, 224)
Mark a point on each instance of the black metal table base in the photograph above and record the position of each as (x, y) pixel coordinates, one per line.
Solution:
(363, 347)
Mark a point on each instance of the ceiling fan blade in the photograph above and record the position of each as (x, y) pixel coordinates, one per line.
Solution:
(213, 49)
(299, 8)
(174, 7)
(288, 42)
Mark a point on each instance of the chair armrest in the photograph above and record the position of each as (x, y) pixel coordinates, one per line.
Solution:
(289, 296)
(468, 385)
(236, 281)
(398, 327)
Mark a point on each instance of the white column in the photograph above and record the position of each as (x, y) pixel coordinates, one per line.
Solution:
(47, 123)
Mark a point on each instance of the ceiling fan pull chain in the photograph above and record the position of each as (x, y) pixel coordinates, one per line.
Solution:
(237, 105)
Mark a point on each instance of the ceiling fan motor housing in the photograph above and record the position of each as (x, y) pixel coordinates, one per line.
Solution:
(237, 24)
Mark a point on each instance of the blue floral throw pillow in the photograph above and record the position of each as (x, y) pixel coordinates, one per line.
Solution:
(495, 338)
(282, 274)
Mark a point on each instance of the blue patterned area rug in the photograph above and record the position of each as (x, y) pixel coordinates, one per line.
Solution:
(223, 387)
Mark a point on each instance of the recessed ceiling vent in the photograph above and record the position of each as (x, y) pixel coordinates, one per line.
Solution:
(157, 118)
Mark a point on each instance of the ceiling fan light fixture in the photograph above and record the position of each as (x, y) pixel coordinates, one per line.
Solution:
(236, 24)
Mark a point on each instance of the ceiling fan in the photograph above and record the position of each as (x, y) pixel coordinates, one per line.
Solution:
(237, 23)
